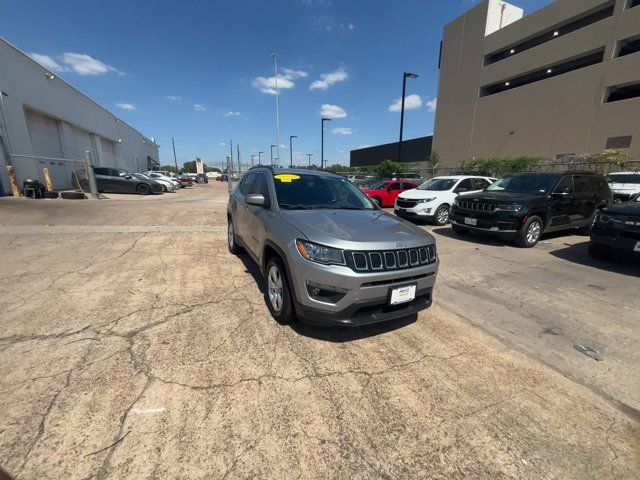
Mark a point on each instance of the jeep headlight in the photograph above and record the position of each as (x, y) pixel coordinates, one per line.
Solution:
(320, 253)
(509, 208)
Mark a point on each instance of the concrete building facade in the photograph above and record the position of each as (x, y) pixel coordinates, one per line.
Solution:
(562, 81)
(413, 151)
(44, 120)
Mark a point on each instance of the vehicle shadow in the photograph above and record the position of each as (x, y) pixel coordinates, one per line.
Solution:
(329, 334)
(619, 263)
(471, 237)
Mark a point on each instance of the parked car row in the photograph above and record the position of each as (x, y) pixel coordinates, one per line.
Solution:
(118, 180)
(522, 207)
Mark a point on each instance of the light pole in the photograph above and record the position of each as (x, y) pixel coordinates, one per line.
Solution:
(275, 66)
(260, 158)
(322, 141)
(309, 155)
(405, 75)
(252, 157)
(291, 137)
(175, 159)
(272, 154)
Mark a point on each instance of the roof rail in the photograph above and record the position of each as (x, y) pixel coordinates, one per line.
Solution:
(262, 166)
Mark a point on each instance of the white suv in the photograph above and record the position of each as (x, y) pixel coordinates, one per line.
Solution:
(433, 199)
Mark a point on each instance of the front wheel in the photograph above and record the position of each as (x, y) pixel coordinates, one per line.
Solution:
(164, 189)
(530, 232)
(278, 294)
(143, 189)
(441, 217)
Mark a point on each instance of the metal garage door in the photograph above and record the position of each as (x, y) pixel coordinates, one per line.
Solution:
(45, 142)
(80, 142)
(108, 153)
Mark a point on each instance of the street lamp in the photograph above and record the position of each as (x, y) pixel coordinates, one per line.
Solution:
(322, 142)
(309, 155)
(252, 157)
(291, 137)
(260, 158)
(404, 90)
(272, 146)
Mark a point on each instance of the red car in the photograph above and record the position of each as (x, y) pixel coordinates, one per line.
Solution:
(385, 193)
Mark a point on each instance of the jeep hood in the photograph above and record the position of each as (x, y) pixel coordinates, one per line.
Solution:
(503, 197)
(624, 208)
(356, 229)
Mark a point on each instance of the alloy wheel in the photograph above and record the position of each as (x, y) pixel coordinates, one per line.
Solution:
(533, 232)
(230, 235)
(274, 286)
(443, 216)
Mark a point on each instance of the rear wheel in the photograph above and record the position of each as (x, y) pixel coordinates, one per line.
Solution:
(441, 217)
(143, 189)
(530, 232)
(231, 238)
(277, 295)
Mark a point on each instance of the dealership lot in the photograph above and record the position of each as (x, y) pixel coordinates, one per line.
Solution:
(134, 345)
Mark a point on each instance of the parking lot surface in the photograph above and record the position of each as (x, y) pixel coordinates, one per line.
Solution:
(133, 345)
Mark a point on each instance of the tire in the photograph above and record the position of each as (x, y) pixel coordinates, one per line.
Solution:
(72, 195)
(143, 189)
(586, 231)
(597, 252)
(441, 215)
(530, 232)
(164, 189)
(459, 230)
(232, 240)
(277, 293)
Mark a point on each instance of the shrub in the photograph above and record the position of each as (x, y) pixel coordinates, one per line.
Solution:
(499, 167)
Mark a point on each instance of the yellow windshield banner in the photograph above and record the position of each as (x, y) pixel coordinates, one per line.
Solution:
(287, 177)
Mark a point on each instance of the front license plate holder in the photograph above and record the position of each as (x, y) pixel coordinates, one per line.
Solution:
(471, 221)
(402, 294)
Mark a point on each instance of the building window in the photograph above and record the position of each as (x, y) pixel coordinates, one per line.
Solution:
(627, 46)
(616, 143)
(622, 92)
(544, 73)
(584, 20)
(633, 3)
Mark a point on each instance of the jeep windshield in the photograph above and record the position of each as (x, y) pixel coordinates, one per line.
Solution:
(534, 184)
(438, 184)
(304, 192)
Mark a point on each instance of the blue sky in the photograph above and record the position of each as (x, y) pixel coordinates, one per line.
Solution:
(203, 73)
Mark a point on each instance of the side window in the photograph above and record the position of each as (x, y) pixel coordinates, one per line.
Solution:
(480, 183)
(261, 186)
(408, 186)
(247, 183)
(395, 186)
(101, 171)
(585, 185)
(464, 186)
(565, 185)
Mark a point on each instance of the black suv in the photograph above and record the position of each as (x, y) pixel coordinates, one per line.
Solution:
(523, 206)
(617, 228)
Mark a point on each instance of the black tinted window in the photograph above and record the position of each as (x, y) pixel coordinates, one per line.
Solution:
(584, 185)
(101, 171)
(247, 183)
(261, 186)
(565, 185)
(480, 183)
(465, 185)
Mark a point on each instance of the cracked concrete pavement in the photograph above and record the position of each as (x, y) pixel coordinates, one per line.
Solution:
(133, 345)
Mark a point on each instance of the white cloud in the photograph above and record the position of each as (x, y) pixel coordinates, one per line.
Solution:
(222, 144)
(232, 114)
(86, 64)
(332, 111)
(285, 81)
(432, 104)
(411, 102)
(48, 62)
(317, 3)
(126, 106)
(199, 108)
(328, 79)
(351, 26)
(174, 98)
(364, 145)
(342, 130)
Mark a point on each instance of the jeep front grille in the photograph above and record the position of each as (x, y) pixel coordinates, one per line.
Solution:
(389, 260)
(476, 206)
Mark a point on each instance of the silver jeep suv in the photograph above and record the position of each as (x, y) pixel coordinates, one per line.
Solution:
(329, 254)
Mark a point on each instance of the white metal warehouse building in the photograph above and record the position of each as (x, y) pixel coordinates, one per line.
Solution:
(45, 123)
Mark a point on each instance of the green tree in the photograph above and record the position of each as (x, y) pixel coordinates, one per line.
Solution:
(387, 168)
(169, 168)
(499, 167)
(189, 167)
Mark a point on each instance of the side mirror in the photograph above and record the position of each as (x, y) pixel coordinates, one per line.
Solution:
(256, 199)
(128, 177)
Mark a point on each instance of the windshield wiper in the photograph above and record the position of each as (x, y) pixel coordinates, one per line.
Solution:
(289, 206)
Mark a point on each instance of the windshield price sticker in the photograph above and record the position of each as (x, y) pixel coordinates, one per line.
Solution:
(287, 177)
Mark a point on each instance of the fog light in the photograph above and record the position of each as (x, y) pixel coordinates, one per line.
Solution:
(325, 293)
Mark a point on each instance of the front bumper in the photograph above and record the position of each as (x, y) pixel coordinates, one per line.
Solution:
(622, 240)
(365, 299)
(503, 224)
(421, 210)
